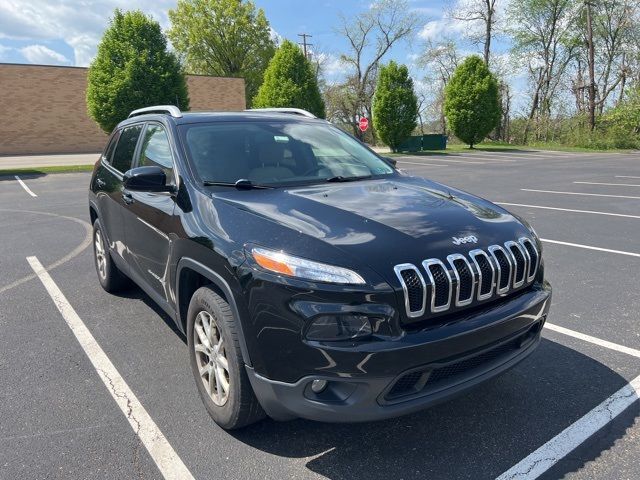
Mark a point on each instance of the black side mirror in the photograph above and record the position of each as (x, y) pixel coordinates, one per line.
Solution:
(146, 179)
(392, 161)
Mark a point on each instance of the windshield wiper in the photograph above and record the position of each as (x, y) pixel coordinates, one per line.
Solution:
(340, 178)
(241, 184)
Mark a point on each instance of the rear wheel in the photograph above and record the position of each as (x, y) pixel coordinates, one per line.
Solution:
(110, 277)
(217, 364)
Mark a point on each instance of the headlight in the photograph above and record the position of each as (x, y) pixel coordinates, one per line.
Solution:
(279, 262)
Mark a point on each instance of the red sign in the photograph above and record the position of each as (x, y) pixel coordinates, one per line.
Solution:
(364, 124)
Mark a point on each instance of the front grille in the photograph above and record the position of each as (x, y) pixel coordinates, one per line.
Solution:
(429, 379)
(496, 271)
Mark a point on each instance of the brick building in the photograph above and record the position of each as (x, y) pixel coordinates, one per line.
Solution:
(45, 108)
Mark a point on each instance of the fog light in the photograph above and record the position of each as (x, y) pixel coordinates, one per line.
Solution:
(317, 386)
(339, 327)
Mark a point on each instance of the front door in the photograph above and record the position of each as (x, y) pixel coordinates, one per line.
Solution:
(150, 216)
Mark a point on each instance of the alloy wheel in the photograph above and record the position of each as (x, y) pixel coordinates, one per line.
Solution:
(211, 359)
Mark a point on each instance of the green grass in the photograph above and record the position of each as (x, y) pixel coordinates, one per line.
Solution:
(46, 170)
(504, 147)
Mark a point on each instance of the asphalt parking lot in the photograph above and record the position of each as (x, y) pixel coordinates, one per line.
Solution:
(569, 410)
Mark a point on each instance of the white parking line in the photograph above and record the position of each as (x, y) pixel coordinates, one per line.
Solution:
(545, 457)
(589, 247)
(626, 176)
(25, 186)
(597, 341)
(569, 210)
(542, 459)
(424, 164)
(167, 460)
(438, 159)
(610, 184)
(578, 193)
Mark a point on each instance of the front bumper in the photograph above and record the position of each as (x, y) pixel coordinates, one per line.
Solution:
(436, 364)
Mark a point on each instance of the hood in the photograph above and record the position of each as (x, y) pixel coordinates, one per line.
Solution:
(396, 220)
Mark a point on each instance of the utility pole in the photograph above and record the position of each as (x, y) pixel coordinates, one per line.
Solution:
(304, 43)
(592, 80)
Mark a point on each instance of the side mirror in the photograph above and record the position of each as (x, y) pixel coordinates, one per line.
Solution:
(146, 179)
(392, 161)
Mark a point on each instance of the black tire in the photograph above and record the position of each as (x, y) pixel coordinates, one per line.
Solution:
(111, 278)
(240, 407)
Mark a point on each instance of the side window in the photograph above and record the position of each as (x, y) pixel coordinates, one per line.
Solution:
(123, 155)
(108, 153)
(156, 152)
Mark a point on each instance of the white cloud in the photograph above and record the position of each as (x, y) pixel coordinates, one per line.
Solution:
(78, 23)
(444, 28)
(43, 55)
(332, 66)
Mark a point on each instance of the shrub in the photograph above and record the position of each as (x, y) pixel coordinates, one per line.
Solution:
(290, 81)
(472, 101)
(395, 107)
(133, 69)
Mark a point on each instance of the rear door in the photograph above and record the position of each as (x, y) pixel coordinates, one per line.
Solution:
(111, 201)
(149, 222)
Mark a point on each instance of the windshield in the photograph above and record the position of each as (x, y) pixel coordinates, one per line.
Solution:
(278, 153)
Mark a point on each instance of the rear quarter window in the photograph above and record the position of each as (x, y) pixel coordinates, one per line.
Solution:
(123, 155)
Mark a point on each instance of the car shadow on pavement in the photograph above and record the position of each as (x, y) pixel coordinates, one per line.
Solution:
(25, 175)
(135, 292)
(478, 435)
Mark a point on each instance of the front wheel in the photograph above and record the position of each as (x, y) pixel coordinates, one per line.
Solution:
(217, 364)
(110, 277)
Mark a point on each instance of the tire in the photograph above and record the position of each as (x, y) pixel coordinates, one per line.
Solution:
(210, 353)
(110, 277)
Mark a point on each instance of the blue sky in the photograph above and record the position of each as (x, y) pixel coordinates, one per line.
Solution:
(66, 32)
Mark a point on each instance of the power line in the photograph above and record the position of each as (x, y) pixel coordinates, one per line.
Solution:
(304, 42)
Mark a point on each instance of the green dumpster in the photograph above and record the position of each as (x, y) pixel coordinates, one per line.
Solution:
(435, 141)
(411, 144)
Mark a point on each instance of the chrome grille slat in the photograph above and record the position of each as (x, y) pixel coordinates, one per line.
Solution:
(457, 274)
(474, 254)
(407, 304)
(531, 272)
(492, 250)
(477, 275)
(434, 291)
(517, 269)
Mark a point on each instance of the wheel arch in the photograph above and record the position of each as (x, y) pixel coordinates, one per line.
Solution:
(190, 276)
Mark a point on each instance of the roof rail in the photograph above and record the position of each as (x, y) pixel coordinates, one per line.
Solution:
(169, 109)
(294, 111)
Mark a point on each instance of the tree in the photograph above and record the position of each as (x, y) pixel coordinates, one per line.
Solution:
(472, 102)
(395, 106)
(227, 38)
(440, 60)
(544, 38)
(132, 69)
(384, 24)
(290, 81)
(474, 12)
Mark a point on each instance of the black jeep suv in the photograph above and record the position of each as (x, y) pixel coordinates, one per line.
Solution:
(311, 278)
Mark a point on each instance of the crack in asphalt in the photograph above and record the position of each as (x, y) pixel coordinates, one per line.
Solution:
(132, 419)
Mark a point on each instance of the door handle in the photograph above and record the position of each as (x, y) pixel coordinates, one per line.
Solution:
(128, 198)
